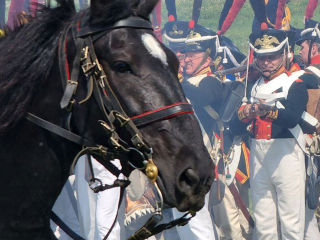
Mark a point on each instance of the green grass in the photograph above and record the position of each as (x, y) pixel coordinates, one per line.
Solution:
(241, 27)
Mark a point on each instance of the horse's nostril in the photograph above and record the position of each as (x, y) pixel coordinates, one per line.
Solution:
(190, 178)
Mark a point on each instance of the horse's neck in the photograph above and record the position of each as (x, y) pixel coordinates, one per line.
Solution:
(33, 169)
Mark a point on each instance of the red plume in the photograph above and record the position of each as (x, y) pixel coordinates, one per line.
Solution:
(171, 18)
(311, 7)
(280, 11)
(191, 24)
(233, 12)
(251, 56)
(264, 26)
(157, 11)
(224, 12)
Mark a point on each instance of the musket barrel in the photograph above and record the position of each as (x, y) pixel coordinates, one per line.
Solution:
(241, 68)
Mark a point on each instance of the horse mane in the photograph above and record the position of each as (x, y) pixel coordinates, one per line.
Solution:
(26, 65)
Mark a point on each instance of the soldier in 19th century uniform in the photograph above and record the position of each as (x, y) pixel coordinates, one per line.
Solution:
(230, 218)
(309, 42)
(176, 33)
(198, 60)
(277, 171)
(208, 93)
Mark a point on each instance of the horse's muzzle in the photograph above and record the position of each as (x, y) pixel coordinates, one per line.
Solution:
(192, 187)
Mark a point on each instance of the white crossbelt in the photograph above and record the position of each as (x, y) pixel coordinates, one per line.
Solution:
(314, 70)
(284, 81)
(215, 116)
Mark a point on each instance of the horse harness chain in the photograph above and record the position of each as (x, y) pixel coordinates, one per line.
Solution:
(113, 117)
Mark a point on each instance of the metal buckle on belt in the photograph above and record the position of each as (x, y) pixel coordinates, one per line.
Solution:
(95, 184)
(141, 231)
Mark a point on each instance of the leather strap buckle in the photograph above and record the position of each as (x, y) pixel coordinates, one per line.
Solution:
(142, 233)
(87, 68)
(84, 53)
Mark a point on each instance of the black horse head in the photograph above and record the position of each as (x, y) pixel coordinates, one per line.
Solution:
(141, 73)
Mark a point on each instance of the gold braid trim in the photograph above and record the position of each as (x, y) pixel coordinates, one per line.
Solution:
(273, 114)
(203, 71)
(241, 115)
(180, 77)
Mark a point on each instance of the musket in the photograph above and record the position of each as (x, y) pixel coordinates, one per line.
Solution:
(264, 106)
(233, 70)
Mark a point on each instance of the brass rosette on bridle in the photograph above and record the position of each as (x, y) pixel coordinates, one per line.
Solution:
(151, 171)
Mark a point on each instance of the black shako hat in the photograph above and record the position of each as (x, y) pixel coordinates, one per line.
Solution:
(268, 41)
(311, 32)
(201, 39)
(176, 32)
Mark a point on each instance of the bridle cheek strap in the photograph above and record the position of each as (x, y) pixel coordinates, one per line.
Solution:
(163, 113)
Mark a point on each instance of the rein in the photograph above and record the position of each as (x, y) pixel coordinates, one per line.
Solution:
(114, 117)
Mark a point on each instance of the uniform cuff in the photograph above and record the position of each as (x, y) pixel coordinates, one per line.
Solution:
(242, 117)
(272, 114)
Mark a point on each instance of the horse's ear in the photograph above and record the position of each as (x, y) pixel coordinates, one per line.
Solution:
(146, 6)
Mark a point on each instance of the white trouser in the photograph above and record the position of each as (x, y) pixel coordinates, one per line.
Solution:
(107, 205)
(64, 209)
(97, 211)
(229, 218)
(311, 231)
(199, 227)
(277, 180)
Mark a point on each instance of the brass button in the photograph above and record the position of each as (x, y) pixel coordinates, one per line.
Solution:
(268, 135)
(257, 135)
(268, 126)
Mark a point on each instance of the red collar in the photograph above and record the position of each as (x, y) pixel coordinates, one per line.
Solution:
(295, 67)
(315, 60)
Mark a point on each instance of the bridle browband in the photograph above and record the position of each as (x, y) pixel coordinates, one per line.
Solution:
(114, 117)
(130, 22)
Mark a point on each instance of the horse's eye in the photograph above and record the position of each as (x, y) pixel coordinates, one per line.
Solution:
(122, 67)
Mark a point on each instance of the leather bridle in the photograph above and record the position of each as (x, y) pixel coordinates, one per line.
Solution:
(137, 152)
